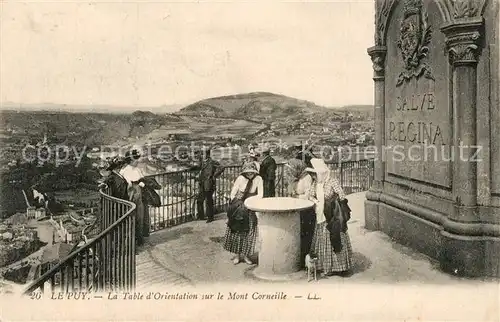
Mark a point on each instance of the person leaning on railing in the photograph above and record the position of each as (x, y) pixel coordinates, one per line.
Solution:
(141, 191)
(113, 180)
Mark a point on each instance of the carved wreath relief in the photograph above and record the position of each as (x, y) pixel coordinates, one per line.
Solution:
(415, 36)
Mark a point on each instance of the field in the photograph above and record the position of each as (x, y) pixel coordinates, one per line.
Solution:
(197, 128)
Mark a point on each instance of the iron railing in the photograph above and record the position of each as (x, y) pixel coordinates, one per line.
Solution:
(106, 263)
(180, 189)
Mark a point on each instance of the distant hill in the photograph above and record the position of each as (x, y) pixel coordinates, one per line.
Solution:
(91, 129)
(357, 109)
(68, 108)
(256, 105)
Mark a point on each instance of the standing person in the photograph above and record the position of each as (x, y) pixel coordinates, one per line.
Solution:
(302, 188)
(304, 153)
(241, 232)
(268, 173)
(253, 157)
(210, 170)
(113, 180)
(133, 175)
(331, 243)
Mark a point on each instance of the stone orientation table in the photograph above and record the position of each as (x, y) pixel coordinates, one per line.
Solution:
(279, 235)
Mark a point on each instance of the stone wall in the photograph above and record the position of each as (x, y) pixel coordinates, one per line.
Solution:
(436, 77)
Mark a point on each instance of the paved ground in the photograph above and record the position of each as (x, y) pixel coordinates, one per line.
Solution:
(192, 254)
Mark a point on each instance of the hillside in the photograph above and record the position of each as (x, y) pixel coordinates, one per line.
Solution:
(258, 106)
(95, 108)
(91, 129)
(362, 109)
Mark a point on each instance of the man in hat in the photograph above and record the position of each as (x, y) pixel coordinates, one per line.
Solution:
(304, 153)
(268, 172)
(210, 170)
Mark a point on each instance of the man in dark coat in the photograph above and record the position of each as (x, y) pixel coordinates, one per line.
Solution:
(304, 153)
(268, 173)
(210, 170)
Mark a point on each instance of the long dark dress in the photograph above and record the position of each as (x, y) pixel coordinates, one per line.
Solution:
(307, 217)
(268, 174)
(117, 185)
(141, 219)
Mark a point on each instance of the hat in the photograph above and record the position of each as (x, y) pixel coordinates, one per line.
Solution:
(249, 167)
(297, 145)
(132, 155)
(114, 163)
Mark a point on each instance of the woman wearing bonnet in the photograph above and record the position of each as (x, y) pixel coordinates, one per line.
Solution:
(112, 179)
(141, 191)
(241, 233)
(331, 243)
(301, 183)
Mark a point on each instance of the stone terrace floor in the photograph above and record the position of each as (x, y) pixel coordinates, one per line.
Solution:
(192, 255)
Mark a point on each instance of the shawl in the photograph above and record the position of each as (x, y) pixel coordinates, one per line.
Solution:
(323, 175)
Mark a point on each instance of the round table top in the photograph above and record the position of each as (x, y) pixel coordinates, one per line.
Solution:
(277, 204)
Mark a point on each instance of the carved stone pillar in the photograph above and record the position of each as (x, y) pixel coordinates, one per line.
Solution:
(377, 54)
(463, 253)
(463, 51)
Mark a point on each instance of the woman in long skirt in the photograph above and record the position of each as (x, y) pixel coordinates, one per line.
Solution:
(303, 179)
(241, 233)
(331, 243)
(133, 175)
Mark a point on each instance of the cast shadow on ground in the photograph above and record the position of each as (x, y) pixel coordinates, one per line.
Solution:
(361, 263)
(167, 235)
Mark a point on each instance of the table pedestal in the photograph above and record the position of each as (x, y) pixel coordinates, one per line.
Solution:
(279, 236)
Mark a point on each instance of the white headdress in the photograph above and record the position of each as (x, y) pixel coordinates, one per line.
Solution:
(323, 172)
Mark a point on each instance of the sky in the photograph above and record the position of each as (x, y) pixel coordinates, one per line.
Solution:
(152, 53)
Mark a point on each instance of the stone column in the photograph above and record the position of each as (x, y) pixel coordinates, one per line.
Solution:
(377, 54)
(463, 51)
(462, 252)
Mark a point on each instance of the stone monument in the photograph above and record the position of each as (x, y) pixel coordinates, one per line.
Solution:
(437, 122)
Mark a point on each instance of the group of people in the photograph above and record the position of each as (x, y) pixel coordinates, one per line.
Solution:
(323, 228)
(125, 180)
(211, 170)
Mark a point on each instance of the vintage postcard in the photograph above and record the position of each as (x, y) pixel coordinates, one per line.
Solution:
(250, 160)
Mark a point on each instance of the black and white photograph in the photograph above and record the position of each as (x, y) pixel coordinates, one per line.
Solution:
(250, 160)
